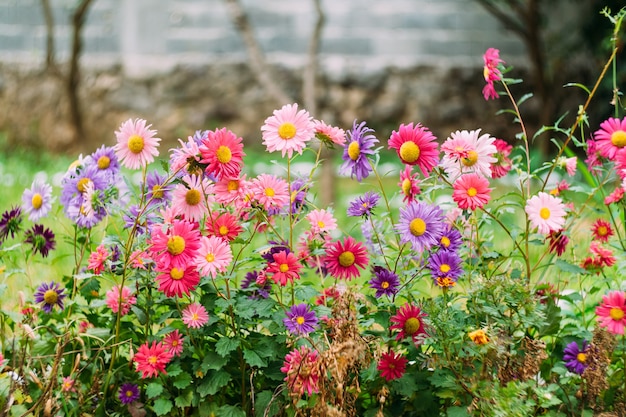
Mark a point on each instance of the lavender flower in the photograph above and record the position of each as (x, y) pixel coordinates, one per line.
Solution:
(451, 239)
(300, 320)
(356, 150)
(363, 205)
(50, 295)
(445, 267)
(421, 224)
(37, 201)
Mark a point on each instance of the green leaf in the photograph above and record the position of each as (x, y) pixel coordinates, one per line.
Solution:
(226, 345)
(174, 370)
(457, 412)
(253, 359)
(263, 400)
(230, 411)
(568, 267)
(212, 361)
(154, 389)
(182, 381)
(213, 382)
(184, 399)
(162, 406)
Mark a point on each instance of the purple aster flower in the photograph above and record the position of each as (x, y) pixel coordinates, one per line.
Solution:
(384, 282)
(148, 218)
(49, 294)
(363, 205)
(37, 201)
(42, 239)
(200, 135)
(10, 223)
(157, 192)
(128, 393)
(299, 189)
(75, 182)
(105, 159)
(451, 239)
(358, 146)
(276, 248)
(250, 281)
(421, 224)
(575, 358)
(300, 320)
(445, 267)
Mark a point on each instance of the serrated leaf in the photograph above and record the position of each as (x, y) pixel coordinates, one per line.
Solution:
(213, 382)
(226, 345)
(230, 411)
(182, 381)
(212, 361)
(253, 359)
(162, 406)
(568, 267)
(174, 370)
(262, 402)
(154, 389)
(184, 400)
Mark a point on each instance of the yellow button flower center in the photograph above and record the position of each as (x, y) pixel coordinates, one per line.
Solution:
(346, 259)
(618, 138)
(406, 187)
(223, 230)
(270, 192)
(321, 224)
(616, 313)
(544, 213)
(233, 185)
(300, 320)
(283, 268)
(354, 150)
(177, 273)
(224, 155)
(445, 268)
(470, 159)
(411, 326)
(602, 231)
(445, 241)
(581, 357)
(175, 245)
(152, 360)
(82, 184)
(417, 227)
(157, 191)
(409, 152)
(192, 197)
(50, 297)
(471, 192)
(104, 162)
(210, 257)
(36, 201)
(135, 144)
(287, 131)
(384, 285)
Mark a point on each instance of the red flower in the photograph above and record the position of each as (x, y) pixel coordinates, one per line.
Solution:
(284, 268)
(409, 320)
(152, 359)
(392, 365)
(342, 259)
(223, 225)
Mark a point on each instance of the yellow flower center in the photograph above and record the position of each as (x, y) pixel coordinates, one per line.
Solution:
(223, 230)
(224, 155)
(82, 184)
(486, 72)
(194, 317)
(321, 224)
(409, 152)
(445, 268)
(36, 201)
(417, 227)
(544, 213)
(300, 320)
(616, 313)
(470, 159)
(233, 185)
(135, 144)
(50, 297)
(152, 360)
(287, 131)
(104, 162)
(346, 259)
(354, 150)
(406, 187)
(175, 245)
(384, 285)
(581, 357)
(270, 192)
(411, 326)
(192, 197)
(471, 192)
(177, 273)
(157, 191)
(618, 138)
(174, 343)
(445, 241)
(283, 267)
(129, 393)
(602, 230)
(210, 257)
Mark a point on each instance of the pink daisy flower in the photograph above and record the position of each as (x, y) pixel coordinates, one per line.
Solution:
(329, 134)
(192, 196)
(270, 192)
(120, 300)
(97, 259)
(302, 367)
(195, 315)
(321, 221)
(546, 212)
(569, 164)
(471, 191)
(409, 184)
(284, 268)
(173, 342)
(616, 196)
(491, 72)
(175, 281)
(152, 359)
(612, 312)
(415, 146)
(136, 145)
(177, 246)
(222, 150)
(186, 157)
(224, 225)
(213, 256)
(503, 163)
(611, 137)
(343, 258)
(139, 259)
(466, 151)
(230, 189)
(288, 130)
(594, 159)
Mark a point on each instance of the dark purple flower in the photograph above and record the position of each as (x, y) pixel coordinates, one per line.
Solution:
(42, 239)
(363, 205)
(421, 224)
(384, 282)
(128, 393)
(356, 150)
(10, 223)
(575, 358)
(445, 267)
(450, 239)
(250, 281)
(276, 248)
(50, 295)
(300, 320)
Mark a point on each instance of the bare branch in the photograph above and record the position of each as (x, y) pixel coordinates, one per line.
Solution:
(310, 71)
(508, 21)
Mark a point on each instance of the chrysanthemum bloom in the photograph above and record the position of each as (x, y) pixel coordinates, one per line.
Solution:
(329, 134)
(195, 315)
(174, 281)
(569, 164)
(603, 256)
(223, 225)
(343, 258)
(363, 205)
(479, 337)
(303, 371)
(385, 282)
(288, 130)
(420, 224)
(451, 239)
(300, 320)
(192, 196)
(173, 342)
(68, 384)
(503, 163)
(152, 359)
(491, 72)
(560, 186)
(136, 145)
(409, 319)
(392, 365)
(557, 242)
(612, 312)
(10, 223)
(37, 200)
(575, 358)
(321, 221)
(468, 151)
(270, 191)
(415, 146)
(156, 189)
(50, 295)
(611, 137)
(105, 159)
(601, 230)
(231, 190)
(213, 256)
(120, 299)
(177, 246)
(222, 151)
(471, 191)
(616, 196)
(356, 151)
(186, 158)
(128, 393)
(97, 259)
(546, 212)
(41, 239)
(409, 184)
(285, 268)
(445, 264)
